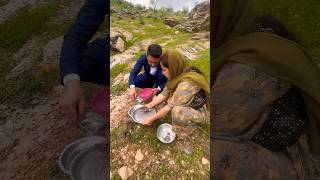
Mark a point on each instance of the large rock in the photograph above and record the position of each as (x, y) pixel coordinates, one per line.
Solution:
(198, 18)
(171, 22)
(12, 7)
(120, 45)
(114, 34)
(201, 36)
(23, 59)
(125, 172)
(51, 52)
(121, 13)
(116, 42)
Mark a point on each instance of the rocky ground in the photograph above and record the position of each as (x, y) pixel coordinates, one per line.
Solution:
(33, 130)
(136, 153)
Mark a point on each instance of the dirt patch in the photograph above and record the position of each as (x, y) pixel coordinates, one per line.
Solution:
(32, 138)
(137, 148)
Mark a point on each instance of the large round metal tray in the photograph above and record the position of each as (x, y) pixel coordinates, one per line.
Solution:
(91, 164)
(74, 148)
(138, 114)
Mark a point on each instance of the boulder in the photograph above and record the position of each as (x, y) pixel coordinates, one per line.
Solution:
(198, 18)
(171, 22)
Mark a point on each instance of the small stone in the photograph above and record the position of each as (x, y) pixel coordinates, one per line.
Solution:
(58, 89)
(124, 157)
(204, 161)
(54, 102)
(3, 115)
(139, 156)
(125, 172)
(172, 162)
(183, 163)
(3, 107)
(34, 102)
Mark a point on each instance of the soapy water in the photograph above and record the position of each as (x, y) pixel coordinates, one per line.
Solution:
(141, 115)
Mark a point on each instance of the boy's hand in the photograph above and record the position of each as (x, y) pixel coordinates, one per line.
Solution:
(155, 91)
(73, 102)
(133, 93)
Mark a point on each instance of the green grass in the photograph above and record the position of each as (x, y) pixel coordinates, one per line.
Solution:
(24, 88)
(162, 172)
(203, 62)
(56, 30)
(151, 29)
(16, 31)
(117, 69)
(3, 2)
(145, 138)
(118, 89)
(301, 17)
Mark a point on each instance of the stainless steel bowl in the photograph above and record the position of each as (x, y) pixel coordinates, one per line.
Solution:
(74, 148)
(165, 133)
(138, 114)
(91, 163)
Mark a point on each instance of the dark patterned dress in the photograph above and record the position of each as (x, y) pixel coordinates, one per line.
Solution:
(185, 118)
(241, 99)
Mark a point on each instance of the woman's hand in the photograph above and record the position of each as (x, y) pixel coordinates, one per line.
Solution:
(148, 121)
(160, 114)
(147, 107)
(155, 91)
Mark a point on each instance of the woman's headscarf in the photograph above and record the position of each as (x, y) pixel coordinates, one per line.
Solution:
(180, 69)
(268, 53)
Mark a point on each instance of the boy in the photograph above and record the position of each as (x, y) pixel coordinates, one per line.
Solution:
(152, 76)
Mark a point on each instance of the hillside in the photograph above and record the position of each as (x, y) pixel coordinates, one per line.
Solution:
(33, 131)
(135, 149)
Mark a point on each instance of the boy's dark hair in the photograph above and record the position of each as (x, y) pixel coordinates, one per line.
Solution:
(154, 50)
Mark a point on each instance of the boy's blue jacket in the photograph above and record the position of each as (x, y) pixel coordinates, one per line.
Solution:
(91, 15)
(143, 62)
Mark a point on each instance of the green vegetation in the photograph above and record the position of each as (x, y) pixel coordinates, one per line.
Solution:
(118, 89)
(56, 30)
(300, 17)
(117, 69)
(155, 165)
(203, 62)
(16, 31)
(27, 86)
(151, 29)
(3, 2)
(145, 138)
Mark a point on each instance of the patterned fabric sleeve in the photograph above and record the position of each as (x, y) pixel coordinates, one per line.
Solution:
(165, 92)
(183, 94)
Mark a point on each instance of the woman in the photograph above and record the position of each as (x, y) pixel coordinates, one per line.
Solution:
(186, 92)
(265, 98)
